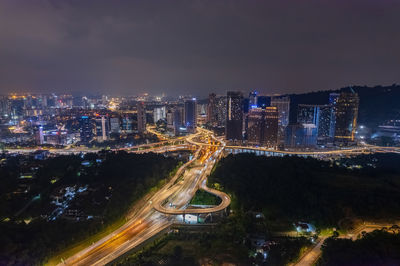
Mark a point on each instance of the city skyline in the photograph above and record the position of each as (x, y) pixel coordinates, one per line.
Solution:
(188, 47)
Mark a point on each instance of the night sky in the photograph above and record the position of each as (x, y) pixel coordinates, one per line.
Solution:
(195, 47)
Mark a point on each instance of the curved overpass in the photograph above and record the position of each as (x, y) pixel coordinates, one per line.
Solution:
(212, 157)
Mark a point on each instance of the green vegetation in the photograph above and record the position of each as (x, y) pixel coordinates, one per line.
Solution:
(290, 189)
(223, 243)
(376, 248)
(114, 184)
(204, 198)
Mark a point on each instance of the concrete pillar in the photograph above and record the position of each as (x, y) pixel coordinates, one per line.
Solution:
(183, 218)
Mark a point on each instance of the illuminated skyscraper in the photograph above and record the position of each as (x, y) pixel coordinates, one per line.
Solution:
(212, 111)
(177, 123)
(221, 111)
(115, 126)
(102, 128)
(283, 106)
(234, 119)
(308, 114)
(333, 98)
(346, 116)
(191, 115)
(252, 100)
(141, 117)
(262, 126)
(159, 113)
(86, 129)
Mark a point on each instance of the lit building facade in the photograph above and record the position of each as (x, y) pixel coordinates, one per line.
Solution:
(346, 116)
(234, 118)
(262, 127)
(191, 115)
(141, 117)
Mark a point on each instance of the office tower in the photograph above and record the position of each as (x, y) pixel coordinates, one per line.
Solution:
(333, 98)
(159, 113)
(141, 117)
(301, 136)
(346, 116)
(308, 114)
(177, 116)
(115, 126)
(255, 125)
(234, 120)
(190, 115)
(17, 107)
(86, 129)
(252, 100)
(170, 119)
(271, 127)
(318, 115)
(212, 115)
(102, 128)
(283, 106)
(324, 123)
(262, 126)
(202, 110)
(221, 111)
(263, 101)
(4, 106)
(127, 124)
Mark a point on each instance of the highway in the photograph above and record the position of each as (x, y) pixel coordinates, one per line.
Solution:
(148, 221)
(198, 179)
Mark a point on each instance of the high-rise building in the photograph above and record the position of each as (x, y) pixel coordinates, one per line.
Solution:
(263, 101)
(308, 114)
(170, 119)
(102, 128)
(191, 115)
(212, 115)
(333, 98)
(234, 120)
(86, 129)
(283, 106)
(282, 103)
(262, 127)
(346, 116)
(255, 126)
(141, 117)
(159, 113)
(301, 136)
(127, 124)
(4, 107)
(221, 111)
(115, 126)
(252, 100)
(271, 127)
(177, 116)
(318, 115)
(324, 123)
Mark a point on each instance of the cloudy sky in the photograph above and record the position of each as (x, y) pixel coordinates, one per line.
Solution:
(196, 47)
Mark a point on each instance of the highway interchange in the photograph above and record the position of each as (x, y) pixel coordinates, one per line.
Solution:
(171, 201)
(149, 221)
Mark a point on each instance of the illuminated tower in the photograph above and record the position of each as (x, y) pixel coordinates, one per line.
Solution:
(346, 116)
(234, 118)
(191, 115)
(141, 117)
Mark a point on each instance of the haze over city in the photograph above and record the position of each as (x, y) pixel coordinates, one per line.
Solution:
(196, 47)
(199, 132)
